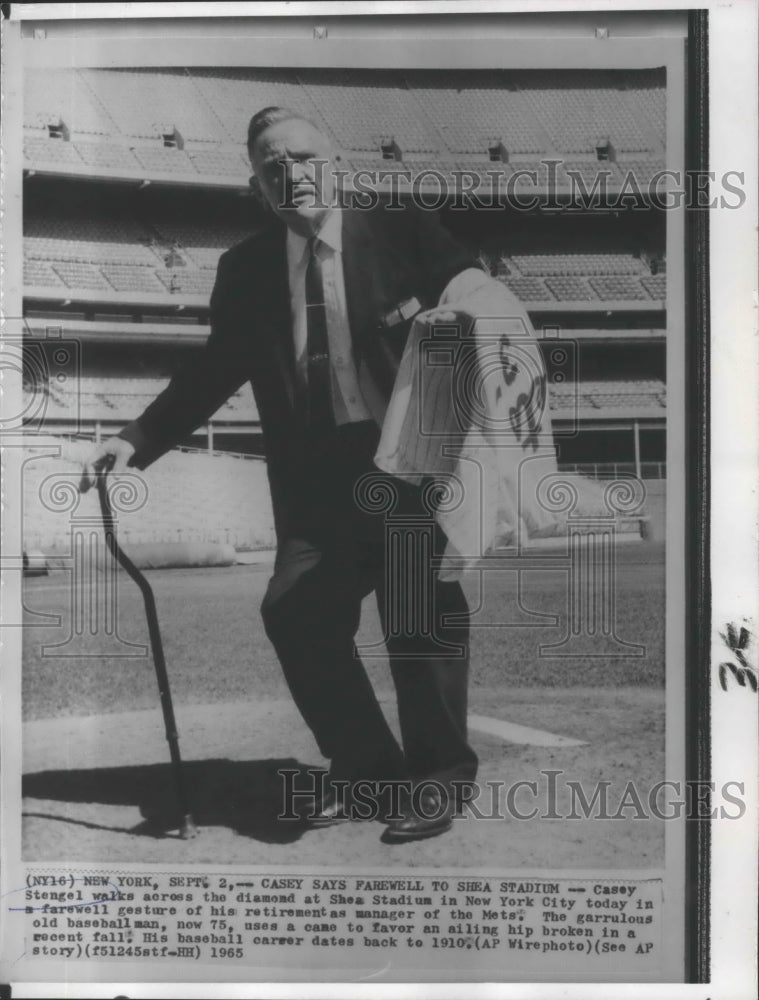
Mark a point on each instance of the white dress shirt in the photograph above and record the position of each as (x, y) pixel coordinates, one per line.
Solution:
(354, 393)
(354, 397)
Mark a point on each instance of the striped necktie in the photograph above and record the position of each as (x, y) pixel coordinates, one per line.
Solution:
(320, 413)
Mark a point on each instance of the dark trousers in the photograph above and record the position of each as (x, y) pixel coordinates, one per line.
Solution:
(353, 535)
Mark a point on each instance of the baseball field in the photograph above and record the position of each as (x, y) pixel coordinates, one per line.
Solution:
(560, 715)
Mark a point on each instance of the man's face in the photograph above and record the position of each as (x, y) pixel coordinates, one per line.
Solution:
(293, 163)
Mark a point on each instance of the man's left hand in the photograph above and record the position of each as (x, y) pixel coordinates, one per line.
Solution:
(446, 315)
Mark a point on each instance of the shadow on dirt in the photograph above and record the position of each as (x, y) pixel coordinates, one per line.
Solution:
(245, 796)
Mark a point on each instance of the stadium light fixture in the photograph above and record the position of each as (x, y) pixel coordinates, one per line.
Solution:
(56, 126)
(604, 149)
(496, 149)
(388, 147)
(169, 135)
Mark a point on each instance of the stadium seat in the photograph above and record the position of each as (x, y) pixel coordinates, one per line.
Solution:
(163, 159)
(139, 242)
(39, 273)
(488, 170)
(656, 286)
(51, 152)
(643, 394)
(637, 172)
(65, 92)
(106, 154)
(122, 398)
(377, 172)
(103, 239)
(202, 244)
(142, 101)
(592, 175)
(646, 94)
(224, 162)
(208, 110)
(570, 289)
(127, 278)
(528, 289)
(377, 163)
(233, 95)
(193, 282)
(468, 107)
(578, 264)
(618, 287)
(205, 257)
(76, 275)
(359, 107)
(577, 108)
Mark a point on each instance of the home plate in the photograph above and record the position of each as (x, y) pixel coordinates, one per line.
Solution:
(513, 733)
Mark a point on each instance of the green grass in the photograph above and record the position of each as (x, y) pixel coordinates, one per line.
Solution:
(217, 651)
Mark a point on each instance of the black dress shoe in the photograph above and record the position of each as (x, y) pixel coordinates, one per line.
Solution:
(374, 802)
(330, 810)
(423, 813)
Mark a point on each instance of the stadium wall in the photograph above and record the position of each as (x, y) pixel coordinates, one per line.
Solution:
(183, 499)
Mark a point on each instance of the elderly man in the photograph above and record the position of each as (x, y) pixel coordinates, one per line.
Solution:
(314, 310)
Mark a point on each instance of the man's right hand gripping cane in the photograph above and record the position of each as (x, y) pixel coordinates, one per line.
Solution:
(109, 456)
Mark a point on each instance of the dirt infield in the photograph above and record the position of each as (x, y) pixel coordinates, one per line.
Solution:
(97, 786)
(93, 787)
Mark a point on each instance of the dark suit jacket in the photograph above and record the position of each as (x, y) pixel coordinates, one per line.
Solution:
(389, 256)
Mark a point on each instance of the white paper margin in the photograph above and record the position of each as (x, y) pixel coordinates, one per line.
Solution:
(734, 542)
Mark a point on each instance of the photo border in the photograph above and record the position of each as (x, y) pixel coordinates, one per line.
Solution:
(697, 505)
(698, 485)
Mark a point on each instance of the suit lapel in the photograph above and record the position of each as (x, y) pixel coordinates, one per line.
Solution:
(362, 277)
(278, 345)
(368, 260)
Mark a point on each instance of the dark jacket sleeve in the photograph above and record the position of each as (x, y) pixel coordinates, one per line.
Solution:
(421, 258)
(198, 388)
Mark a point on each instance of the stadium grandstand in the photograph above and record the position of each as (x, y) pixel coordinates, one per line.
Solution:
(136, 180)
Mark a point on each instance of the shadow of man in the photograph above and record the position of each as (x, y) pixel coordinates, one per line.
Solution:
(244, 796)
